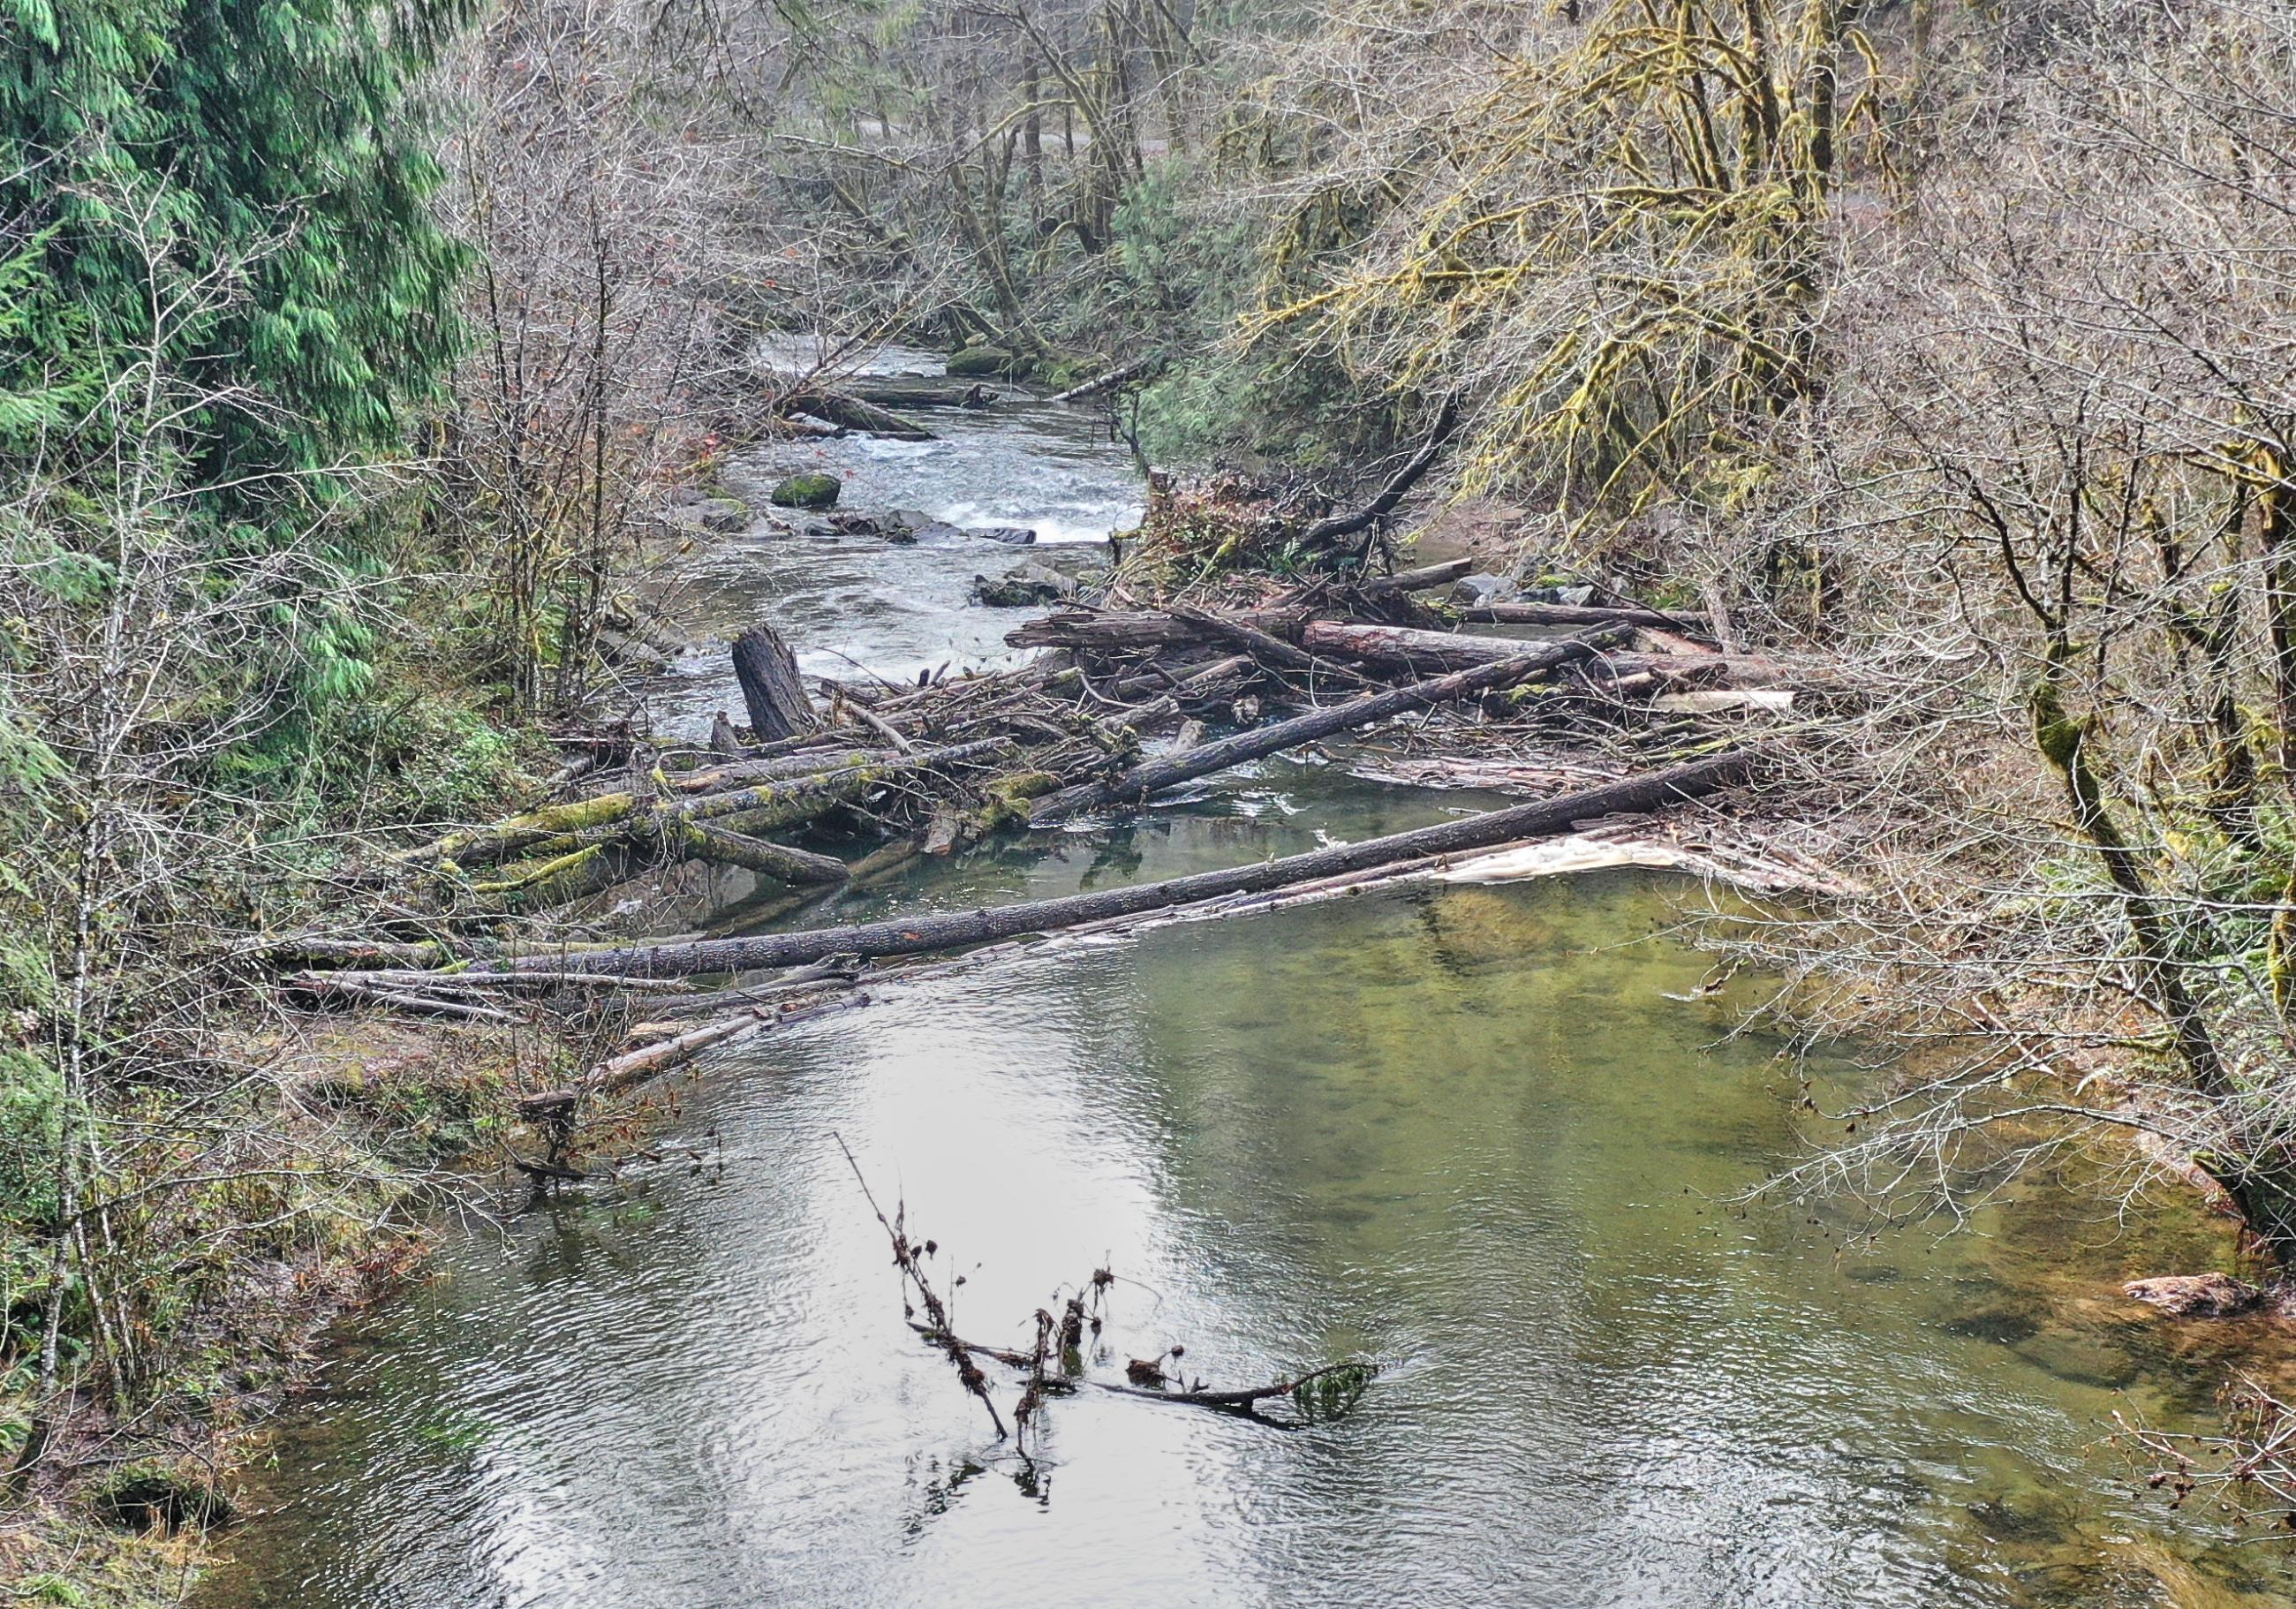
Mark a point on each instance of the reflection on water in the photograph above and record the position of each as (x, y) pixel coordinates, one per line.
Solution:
(1462, 1131)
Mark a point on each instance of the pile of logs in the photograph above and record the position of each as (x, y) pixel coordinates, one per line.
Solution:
(837, 781)
(933, 768)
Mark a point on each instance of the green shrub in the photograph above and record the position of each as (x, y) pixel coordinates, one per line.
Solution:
(423, 758)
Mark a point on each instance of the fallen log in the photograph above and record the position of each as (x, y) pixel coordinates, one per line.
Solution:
(855, 710)
(719, 847)
(1271, 652)
(772, 687)
(920, 394)
(1115, 633)
(330, 986)
(1216, 683)
(625, 1071)
(1406, 647)
(1171, 770)
(815, 794)
(1101, 383)
(1409, 648)
(1421, 580)
(787, 767)
(924, 934)
(522, 833)
(1569, 615)
(855, 414)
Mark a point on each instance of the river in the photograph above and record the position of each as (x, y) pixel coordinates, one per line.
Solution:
(1488, 1136)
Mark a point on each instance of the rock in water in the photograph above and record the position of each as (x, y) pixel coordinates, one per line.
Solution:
(722, 738)
(980, 360)
(2196, 1295)
(1011, 536)
(812, 490)
(1023, 587)
(725, 515)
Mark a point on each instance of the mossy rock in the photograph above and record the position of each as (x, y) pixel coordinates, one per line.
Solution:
(812, 490)
(975, 362)
(161, 1494)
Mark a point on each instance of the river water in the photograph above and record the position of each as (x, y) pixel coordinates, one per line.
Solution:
(1487, 1136)
(848, 604)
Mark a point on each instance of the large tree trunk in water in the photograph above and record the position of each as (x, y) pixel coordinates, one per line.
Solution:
(857, 413)
(923, 934)
(1172, 769)
(771, 687)
(1410, 648)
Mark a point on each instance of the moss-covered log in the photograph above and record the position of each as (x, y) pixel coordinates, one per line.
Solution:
(924, 934)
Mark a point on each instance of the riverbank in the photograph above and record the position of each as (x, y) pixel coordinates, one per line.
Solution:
(370, 1109)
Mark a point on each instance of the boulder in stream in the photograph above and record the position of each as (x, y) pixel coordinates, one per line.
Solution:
(2197, 1295)
(813, 488)
(724, 516)
(975, 361)
(1024, 587)
(1011, 536)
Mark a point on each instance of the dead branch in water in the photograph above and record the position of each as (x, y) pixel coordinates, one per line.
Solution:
(1336, 1386)
(907, 1258)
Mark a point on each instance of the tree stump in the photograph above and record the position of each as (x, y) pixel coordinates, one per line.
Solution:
(772, 687)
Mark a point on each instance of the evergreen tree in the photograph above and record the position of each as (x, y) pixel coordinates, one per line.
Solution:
(280, 134)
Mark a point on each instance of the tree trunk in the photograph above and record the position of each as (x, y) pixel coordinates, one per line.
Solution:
(1172, 769)
(923, 934)
(855, 413)
(1569, 615)
(772, 687)
(719, 846)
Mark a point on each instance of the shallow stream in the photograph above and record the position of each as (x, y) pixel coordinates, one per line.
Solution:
(1487, 1137)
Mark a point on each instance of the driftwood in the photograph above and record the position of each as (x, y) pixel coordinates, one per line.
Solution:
(617, 1075)
(1571, 614)
(1171, 770)
(716, 845)
(1101, 382)
(926, 934)
(1406, 647)
(1244, 1401)
(1116, 633)
(1216, 684)
(932, 768)
(920, 394)
(786, 767)
(771, 687)
(855, 414)
(1409, 648)
(1422, 579)
(1271, 652)
(909, 1257)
